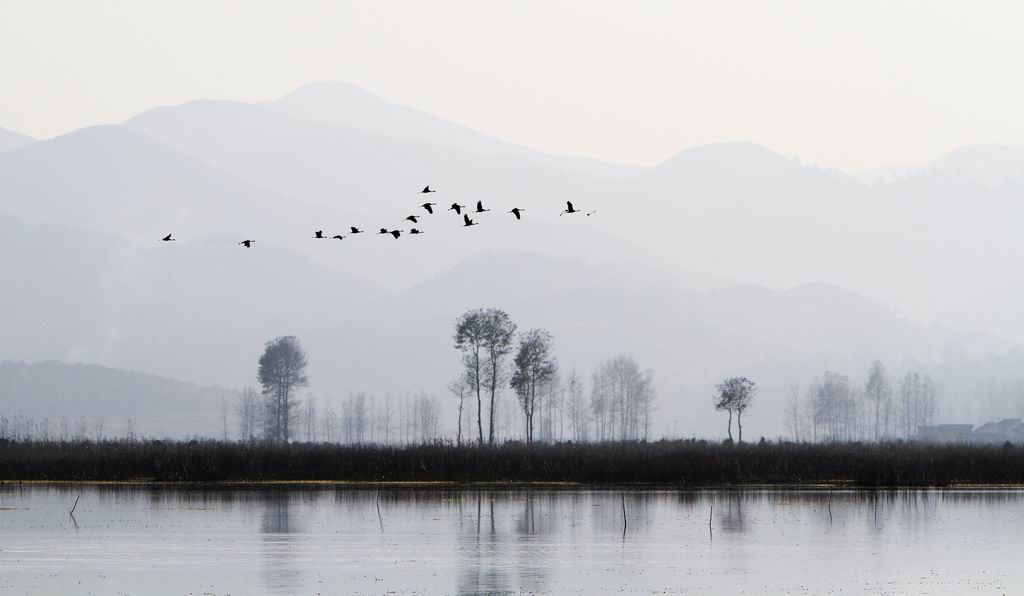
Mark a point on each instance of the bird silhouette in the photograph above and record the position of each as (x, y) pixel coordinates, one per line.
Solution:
(517, 212)
(426, 189)
(167, 238)
(569, 209)
(355, 230)
(412, 218)
(480, 207)
(383, 231)
(319, 234)
(337, 237)
(429, 207)
(457, 208)
(468, 222)
(415, 231)
(395, 233)
(247, 243)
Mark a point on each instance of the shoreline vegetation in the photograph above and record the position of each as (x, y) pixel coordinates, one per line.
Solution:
(659, 464)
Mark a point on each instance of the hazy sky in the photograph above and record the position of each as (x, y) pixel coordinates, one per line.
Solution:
(844, 84)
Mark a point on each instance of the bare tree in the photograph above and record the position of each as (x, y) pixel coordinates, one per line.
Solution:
(793, 412)
(247, 409)
(622, 397)
(553, 398)
(744, 400)
(470, 338)
(386, 414)
(534, 366)
(427, 413)
(499, 333)
(909, 397)
(877, 390)
(929, 399)
(358, 412)
(328, 423)
(310, 412)
(485, 337)
(832, 400)
(460, 389)
(735, 395)
(224, 416)
(646, 395)
(577, 408)
(282, 369)
(599, 404)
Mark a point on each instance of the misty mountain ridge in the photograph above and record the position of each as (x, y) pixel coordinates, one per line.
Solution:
(992, 163)
(347, 167)
(119, 181)
(688, 202)
(352, 106)
(76, 396)
(10, 140)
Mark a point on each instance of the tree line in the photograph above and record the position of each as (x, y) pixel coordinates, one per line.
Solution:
(834, 408)
(495, 356)
(278, 414)
(495, 359)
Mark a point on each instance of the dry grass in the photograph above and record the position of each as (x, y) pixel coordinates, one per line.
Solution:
(672, 463)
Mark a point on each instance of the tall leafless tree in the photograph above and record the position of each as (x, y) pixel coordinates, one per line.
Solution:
(877, 390)
(735, 396)
(459, 388)
(310, 416)
(247, 410)
(577, 406)
(470, 338)
(794, 412)
(485, 338)
(533, 367)
(282, 370)
(622, 398)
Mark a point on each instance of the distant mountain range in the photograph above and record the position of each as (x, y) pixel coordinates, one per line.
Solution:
(10, 140)
(121, 182)
(73, 398)
(680, 266)
(354, 107)
(992, 163)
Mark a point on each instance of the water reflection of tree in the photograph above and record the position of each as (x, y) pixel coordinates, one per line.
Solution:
(539, 514)
(503, 542)
(731, 518)
(481, 571)
(279, 568)
(606, 511)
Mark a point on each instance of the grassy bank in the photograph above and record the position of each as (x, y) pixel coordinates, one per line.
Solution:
(677, 463)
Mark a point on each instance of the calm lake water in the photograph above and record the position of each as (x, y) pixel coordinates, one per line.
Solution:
(135, 540)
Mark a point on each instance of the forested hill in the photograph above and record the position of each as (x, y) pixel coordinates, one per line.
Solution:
(73, 398)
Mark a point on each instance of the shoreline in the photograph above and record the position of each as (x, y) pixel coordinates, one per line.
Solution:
(847, 486)
(677, 466)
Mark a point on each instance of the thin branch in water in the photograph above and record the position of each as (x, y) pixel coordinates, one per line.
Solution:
(71, 513)
(623, 516)
(830, 505)
(711, 513)
(379, 518)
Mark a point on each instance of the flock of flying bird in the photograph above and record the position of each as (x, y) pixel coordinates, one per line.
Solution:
(428, 207)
